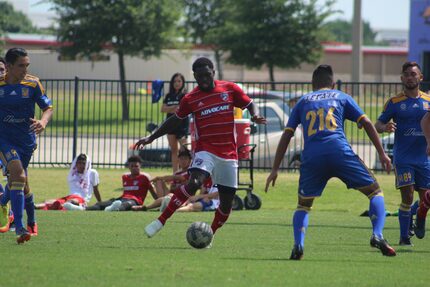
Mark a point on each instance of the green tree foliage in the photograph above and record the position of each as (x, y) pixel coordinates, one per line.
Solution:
(275, 33)
(128, 27)
(204, 20)
(341, 31)
(12, 21)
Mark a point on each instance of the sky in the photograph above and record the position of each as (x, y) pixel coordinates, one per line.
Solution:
(382, 14)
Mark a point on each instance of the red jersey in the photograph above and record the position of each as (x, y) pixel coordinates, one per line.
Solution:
(213, 114)
(135, 187)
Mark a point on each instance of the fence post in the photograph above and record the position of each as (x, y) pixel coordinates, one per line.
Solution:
(339, 84)
(75, 118)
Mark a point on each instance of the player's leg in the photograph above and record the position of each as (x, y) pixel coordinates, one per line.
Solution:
(354, 173)
(407, 193)
(421, 215)
(17, 181)
(29, 209)
(174, 148)
(422, 181)
(226, 196)
(101, 205)
(300, 225)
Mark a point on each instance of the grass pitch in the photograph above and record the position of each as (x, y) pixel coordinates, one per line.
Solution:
(252, 249)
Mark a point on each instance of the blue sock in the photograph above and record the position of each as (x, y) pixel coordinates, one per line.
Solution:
(404, 220)
(17, 200)
(377, 214)
(414, 207)
(6, 195)
(300, 224)
(29, 208)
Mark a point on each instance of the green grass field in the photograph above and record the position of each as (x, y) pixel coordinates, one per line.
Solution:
(252, 249)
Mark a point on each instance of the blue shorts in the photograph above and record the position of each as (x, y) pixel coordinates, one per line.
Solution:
(206, 205)
(315, 173)
(413, 174)
(9, 152)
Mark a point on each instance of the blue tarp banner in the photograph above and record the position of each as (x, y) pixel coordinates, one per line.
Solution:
(157, 90)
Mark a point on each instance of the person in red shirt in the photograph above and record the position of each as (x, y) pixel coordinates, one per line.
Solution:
(136, 186)
(212, 105)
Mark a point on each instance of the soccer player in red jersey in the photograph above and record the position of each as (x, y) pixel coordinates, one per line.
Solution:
(212, 105)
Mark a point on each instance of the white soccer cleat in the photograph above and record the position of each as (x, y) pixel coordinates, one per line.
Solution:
(114, 206)
(71, 206)
(152, 228)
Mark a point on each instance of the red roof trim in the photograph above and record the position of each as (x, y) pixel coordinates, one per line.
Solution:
(367, 52)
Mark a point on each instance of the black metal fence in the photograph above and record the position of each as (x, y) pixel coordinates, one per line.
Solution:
(88, 118)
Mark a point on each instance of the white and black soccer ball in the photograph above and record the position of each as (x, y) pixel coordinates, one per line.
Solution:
(199, 235)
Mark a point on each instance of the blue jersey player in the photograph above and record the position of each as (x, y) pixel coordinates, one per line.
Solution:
(402, 115)
(19, 92)
(328, 154)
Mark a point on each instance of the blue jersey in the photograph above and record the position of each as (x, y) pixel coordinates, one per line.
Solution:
(17, 106)
(409, 141)
(322, 115)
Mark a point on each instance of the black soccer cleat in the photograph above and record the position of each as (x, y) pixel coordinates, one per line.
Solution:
(22, 235)
(405, 241)
(382, 245)
(297, 252)
(420, 227)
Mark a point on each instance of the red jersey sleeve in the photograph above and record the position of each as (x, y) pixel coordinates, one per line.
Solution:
(184, 107)
(240, 99)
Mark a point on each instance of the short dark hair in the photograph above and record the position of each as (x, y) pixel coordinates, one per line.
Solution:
(322, 77)
(82, 156)
(134, 158)
(183, 151)
(14, 53)
(408, 65)
(201, 63)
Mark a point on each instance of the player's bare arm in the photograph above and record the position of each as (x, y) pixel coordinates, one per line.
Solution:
(280, 153)
(389, 127)
(168, 125)
(255, 117)
(425, 126)
(38, 126)
(373, 136)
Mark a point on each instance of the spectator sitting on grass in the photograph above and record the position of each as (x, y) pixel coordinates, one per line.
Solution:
(136, 185)
(83, 182)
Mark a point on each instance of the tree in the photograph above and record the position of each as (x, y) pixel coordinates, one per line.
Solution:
(341, 31)
(275, 33)
(127, 27)
(204, 20)
(12, 21)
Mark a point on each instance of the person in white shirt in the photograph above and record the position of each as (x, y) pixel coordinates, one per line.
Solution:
(83, 182)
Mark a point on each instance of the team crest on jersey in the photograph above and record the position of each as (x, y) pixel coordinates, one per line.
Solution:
(25, 92)
(403, 107)
(224, 97)
(198, 161)
(135, 182)
(426, 106)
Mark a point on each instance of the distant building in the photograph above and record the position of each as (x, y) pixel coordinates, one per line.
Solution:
(381, 64)
(393, 37)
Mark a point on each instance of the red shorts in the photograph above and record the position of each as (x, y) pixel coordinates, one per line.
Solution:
(58, 203)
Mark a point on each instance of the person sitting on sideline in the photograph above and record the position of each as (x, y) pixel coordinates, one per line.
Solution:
(83, 182)
(136, 186)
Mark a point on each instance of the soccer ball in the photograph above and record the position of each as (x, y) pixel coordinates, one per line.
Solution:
(199, 235)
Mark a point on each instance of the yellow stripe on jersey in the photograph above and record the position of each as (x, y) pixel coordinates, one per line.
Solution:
(361, 117)
(401, 97)
(2, 83)
(27, 83)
